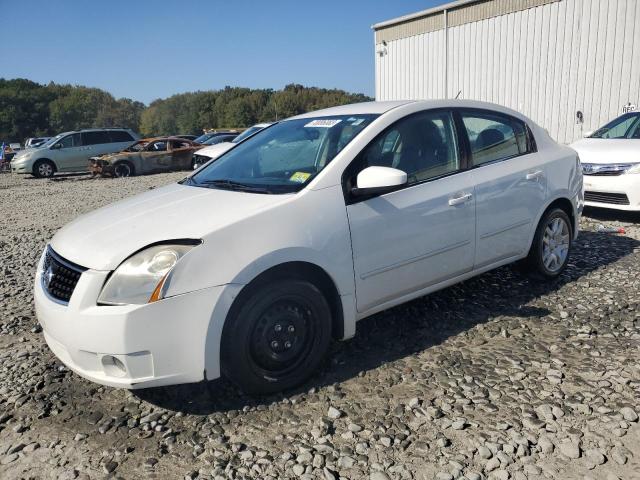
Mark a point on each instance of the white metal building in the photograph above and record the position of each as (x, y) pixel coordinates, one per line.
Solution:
(548, 59)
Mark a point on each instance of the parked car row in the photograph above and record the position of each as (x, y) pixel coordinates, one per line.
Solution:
(610, 156)
(70, 151)
(250, 266)
(115, 151)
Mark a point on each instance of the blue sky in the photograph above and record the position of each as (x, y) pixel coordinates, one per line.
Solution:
(147, 50)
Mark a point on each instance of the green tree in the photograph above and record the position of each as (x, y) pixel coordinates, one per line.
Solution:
(31, 109)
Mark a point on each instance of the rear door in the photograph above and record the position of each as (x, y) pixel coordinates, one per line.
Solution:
(510, 184)
(420, 235)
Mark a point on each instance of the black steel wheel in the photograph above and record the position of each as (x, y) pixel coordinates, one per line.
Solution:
(123, 169)
(277, 337)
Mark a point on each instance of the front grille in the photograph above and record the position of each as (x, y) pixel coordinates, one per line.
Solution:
(605, 173)
(600, 197)
(59, 276)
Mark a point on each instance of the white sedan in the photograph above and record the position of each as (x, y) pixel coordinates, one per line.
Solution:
(252, 265)
(610, 160)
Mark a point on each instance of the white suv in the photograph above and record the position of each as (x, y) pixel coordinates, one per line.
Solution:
(70, 151)
(250, 266)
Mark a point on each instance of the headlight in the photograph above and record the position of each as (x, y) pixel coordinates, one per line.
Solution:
(21, 158)
(633, 169)
(140, 279)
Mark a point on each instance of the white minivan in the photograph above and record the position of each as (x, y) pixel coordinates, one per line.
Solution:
(251, 265)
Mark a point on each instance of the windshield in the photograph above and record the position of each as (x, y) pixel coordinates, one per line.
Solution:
(139, 146)
(53, 140)
(625, 126)
(204, 138)
(220, 139)
(247, 133)
(282, 158)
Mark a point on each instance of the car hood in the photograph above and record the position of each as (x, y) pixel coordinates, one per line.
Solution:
(111, 157)
(602, 150)
(214, 151)
(102, 239)
(27, 152)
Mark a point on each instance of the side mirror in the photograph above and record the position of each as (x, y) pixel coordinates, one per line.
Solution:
(378, 180)
(587, 134)
(55, 146)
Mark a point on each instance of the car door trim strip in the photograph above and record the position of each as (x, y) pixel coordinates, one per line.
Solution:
(408, 261)
(505, 229)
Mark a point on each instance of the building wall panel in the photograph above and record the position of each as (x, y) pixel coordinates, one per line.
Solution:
(545, 59)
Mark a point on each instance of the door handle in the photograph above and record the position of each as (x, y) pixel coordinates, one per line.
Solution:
(461, 199)
(534, 175)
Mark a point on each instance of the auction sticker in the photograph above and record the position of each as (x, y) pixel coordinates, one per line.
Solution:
(299, 177)
(323, 123)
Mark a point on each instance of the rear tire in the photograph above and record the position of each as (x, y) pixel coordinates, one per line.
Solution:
(276, 337)
(551, 245)
(123, 169)
(44, 169)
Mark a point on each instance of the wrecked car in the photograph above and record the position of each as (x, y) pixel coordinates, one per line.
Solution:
(148, 155)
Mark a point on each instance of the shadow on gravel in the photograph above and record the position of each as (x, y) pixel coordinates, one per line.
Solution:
(605, 214)
(58, 176)
(413, 327)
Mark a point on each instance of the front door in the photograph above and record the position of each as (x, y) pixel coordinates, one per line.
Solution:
(156, 157)
(421, 235)
(510, 184)
(71, 155)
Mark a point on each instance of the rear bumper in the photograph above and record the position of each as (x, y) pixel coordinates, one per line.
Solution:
(131, 346)
(598, 190)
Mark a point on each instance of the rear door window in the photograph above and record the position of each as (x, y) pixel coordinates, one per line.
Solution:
(493, 136)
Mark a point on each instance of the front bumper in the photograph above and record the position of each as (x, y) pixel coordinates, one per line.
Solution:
(598, 186)
(25, 167)
(100, 167)
(132, 346)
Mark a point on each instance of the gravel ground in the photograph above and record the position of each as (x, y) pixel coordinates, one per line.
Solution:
(499, 377)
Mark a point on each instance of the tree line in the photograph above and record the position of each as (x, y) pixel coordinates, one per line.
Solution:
(30, 109)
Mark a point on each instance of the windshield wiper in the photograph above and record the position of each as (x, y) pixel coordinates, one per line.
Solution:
(232, 185)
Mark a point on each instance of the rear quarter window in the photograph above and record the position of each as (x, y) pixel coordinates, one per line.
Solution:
(120, 136)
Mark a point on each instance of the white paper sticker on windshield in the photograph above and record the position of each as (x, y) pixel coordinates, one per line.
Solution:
(323, 123)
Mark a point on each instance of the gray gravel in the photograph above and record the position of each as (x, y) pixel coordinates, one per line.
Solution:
(499, 377)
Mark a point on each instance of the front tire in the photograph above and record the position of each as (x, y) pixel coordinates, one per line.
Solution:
(551, 246)
(123, 169)
(276, 337)
(44, 169)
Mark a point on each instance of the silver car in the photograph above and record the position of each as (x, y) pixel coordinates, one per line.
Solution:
(70, 151)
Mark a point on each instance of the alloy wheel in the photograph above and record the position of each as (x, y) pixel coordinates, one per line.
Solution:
(555, 244)
(45, 170)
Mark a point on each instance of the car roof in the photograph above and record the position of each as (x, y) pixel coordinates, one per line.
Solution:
(383, 107)
(355, 109)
